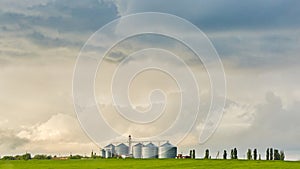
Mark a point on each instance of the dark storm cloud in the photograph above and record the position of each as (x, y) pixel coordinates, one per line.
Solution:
(248, 34)
(76, 15)
(9, 140)
(226, 14)
(43, 40)
(64, 16)
(256, 14)
(274, 49)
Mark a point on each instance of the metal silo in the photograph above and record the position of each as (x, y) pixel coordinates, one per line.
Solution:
(103, 153)
(137, 150)
(121, 149)
(150, 151)
(167, 150)
(109, 151)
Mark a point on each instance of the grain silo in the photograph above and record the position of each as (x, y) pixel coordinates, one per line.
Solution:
(109, 151)
(121, 149)
(137, 150)
(167, 150)
(103, 153)
(108, 154)
(150, 151)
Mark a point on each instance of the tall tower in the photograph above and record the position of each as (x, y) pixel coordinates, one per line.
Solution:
(129, 145)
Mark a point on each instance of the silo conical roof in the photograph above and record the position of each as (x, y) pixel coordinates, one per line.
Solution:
(110, 145)
(139, 144)
(167, 144)
(150, 145)
(122, 145)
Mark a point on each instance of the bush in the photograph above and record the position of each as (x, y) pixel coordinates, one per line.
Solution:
(8, 158)
(42, 157)
(75, 157)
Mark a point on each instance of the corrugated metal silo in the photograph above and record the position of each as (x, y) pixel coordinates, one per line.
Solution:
(150, 151)
(121, 149)
(103, 153)
(109, 151)
(167, 150)
(137, 150)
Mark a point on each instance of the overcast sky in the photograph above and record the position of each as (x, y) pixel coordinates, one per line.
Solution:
(257, 41)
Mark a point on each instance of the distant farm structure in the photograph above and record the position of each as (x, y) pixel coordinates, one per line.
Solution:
(140, 149)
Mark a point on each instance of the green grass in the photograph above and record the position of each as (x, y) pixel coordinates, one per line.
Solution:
(153, 164)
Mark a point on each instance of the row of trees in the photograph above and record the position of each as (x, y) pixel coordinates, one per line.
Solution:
(270, 154)
(193, 154)
(27, 156)
(233, 154)
(254, 157)
(276, 155)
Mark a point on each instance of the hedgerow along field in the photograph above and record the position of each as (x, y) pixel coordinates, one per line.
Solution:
(146, 163)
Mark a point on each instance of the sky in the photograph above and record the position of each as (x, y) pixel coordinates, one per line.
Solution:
(257, 42)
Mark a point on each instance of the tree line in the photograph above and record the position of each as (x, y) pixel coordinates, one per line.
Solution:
(271, 154)
(28, 156)
(274, 155)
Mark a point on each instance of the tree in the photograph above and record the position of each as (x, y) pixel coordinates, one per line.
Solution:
(268, 154)
(19, 157)
(26, 156)
(249, 156)
(75, 157)
(276, 154)
(271, 153)
(225, 155)
(255, 154)
(232, 154)
(282, 156)
(235, 153)
(42, 157)
(218, 153)
(206, 154)
(92, 154)
(194, 154)
(8, 158)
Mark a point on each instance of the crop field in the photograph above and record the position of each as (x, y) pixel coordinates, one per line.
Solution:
(149, 163)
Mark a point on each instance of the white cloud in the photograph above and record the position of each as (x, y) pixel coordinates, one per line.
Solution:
(59, 127)
(60, 134)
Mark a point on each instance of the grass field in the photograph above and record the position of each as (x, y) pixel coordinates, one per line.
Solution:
(154, 164)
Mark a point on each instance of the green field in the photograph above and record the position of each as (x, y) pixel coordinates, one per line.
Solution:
(154, 164)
